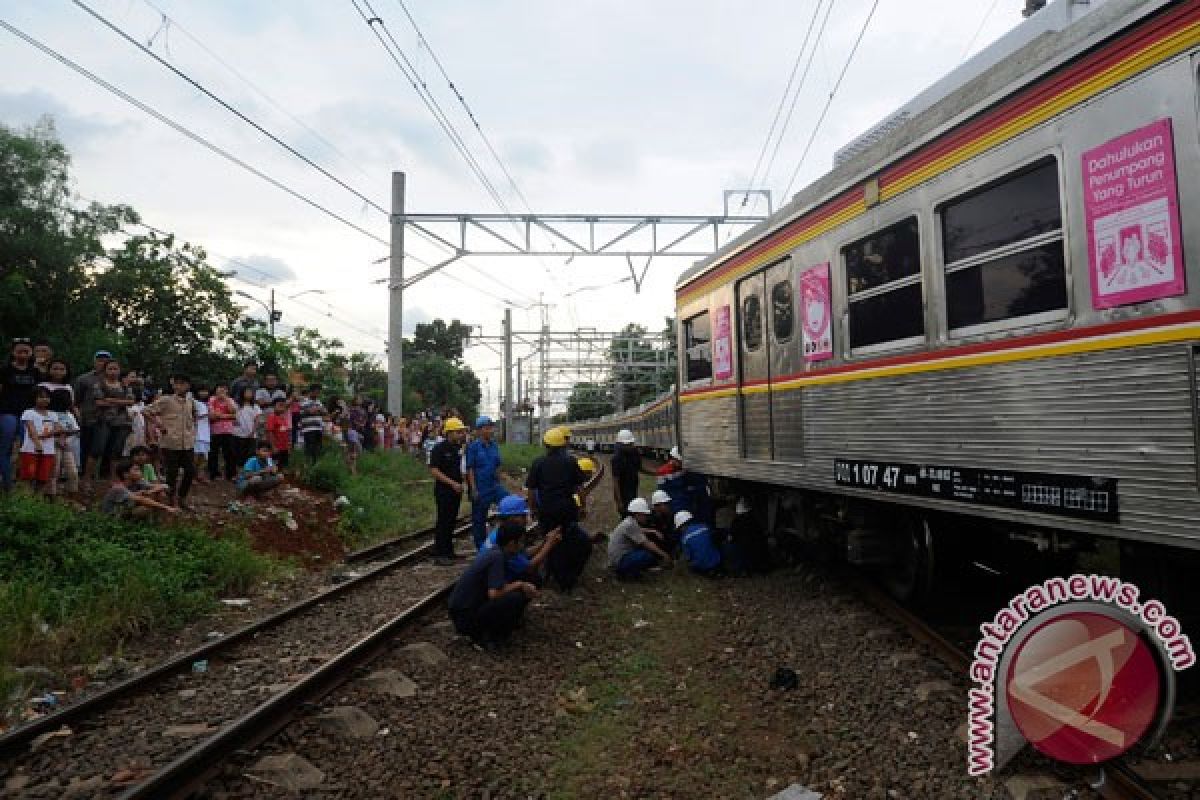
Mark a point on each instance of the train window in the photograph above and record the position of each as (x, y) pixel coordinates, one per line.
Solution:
(1003, 250)
(752, 322)
(697, 342)
(782, 310)
(883, 284)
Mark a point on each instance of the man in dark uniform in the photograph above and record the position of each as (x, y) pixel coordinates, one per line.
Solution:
(553, 481)
(485, 605)
(626, 468)
(445, 463)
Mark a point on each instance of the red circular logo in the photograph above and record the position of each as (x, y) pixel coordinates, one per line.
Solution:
(1083, 688)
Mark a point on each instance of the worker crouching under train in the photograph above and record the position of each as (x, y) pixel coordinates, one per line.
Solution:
(485, 605)
(553, 482)
(631, 548)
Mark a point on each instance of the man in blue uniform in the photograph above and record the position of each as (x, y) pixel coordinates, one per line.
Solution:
(554, 479)
(445, 464)
(483, 479)
(524, 565)
(484, 604)
(699, 548)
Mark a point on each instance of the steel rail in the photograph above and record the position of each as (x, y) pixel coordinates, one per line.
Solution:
(369, 552)
(13, 741)
(1116, 781)
(189, 772)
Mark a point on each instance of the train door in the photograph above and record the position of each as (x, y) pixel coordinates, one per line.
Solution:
(754, 369)
(787, 440)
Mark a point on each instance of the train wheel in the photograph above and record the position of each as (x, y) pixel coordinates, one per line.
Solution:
(910, 576)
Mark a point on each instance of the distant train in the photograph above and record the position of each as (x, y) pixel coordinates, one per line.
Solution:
(983, 324)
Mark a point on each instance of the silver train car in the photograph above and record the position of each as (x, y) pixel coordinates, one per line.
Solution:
(653, 423)
(988, 313)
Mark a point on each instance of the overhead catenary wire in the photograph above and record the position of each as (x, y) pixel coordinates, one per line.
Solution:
(978, 30)
(227, 106)
(787, 90)
(195, 39)
(184, 130)
(796, 96)
(829, 102)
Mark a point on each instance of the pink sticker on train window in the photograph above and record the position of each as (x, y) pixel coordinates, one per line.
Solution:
(722, 346)
(816, 312)
(1132, 210)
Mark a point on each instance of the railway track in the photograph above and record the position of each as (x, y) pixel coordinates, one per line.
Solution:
(156, 713)
(1116, 780)
(177, 772)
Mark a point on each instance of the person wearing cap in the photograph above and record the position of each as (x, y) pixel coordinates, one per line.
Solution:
(445, 464)
(484, 604)
(662, 518)
(554, 480)
(631, 547)
(176, 416)
(85, 399)
(581, 499)
(626, 467)
(700, 548)
(483, 480)
(524, 565)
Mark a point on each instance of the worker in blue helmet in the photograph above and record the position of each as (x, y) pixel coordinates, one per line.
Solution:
(524, 564)
(483, 476)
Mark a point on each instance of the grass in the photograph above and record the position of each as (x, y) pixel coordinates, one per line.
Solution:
(517, 457)
(643, 665)
(72, 583)
(391, 494)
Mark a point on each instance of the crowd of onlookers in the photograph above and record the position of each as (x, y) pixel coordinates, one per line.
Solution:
(112, 431)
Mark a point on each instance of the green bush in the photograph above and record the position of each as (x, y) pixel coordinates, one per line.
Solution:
(519, 456)
(72, 583)
(391, 494)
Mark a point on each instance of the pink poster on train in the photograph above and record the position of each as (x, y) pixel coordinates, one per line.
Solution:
(722, 346)
(816, 312)
(1132, 211)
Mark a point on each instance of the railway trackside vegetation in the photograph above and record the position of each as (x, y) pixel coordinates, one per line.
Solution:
(391, 494)
(519, 457)
(75, 583)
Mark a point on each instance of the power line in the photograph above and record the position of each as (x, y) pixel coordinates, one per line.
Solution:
(792, 108)
(467, 108)
(430, 102)
(832, 94)
(180, 128)
(978, 30)
(229, 107)
(172, 22)
(783, 100)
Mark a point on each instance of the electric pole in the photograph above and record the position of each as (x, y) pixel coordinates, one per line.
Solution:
(396, 301)
(508, 384)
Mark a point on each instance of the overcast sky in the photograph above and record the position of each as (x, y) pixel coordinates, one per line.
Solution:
(595, 107)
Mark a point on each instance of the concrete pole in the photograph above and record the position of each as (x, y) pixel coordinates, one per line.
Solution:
(508, 382)
(396, 301)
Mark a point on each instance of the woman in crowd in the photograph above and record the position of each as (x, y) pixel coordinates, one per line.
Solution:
(112, 400)
(244, 424)
(222, 413)
(18, 379)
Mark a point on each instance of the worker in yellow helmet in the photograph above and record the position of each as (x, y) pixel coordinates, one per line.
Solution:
(553, 481)
(445, 464)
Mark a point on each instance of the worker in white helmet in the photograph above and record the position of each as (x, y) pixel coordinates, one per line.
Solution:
(663, 520)
(631, 548)
(626, 467)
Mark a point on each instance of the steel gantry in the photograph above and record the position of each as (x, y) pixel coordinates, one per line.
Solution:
(628, 236)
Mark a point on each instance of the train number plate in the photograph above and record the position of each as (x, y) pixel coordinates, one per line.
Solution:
(1086, 497)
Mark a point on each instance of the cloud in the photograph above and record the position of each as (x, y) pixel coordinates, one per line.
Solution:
(528, 154)
(608, 156)
(413, 317)
(79, 132)
(262, 269)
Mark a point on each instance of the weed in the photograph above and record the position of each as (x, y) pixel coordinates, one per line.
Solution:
(390, 494)
(73, 583)
(516, 457)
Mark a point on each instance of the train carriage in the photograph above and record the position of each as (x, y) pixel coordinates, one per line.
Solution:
(989, 311)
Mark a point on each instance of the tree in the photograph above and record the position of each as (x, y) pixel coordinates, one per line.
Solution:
(432, 381)
(438, 338)
(636, 366)
(588, 400)
(164, 301)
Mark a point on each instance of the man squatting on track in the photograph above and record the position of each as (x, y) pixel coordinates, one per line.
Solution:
(631, 548)
(522, 565)
(485, 605)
